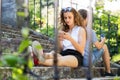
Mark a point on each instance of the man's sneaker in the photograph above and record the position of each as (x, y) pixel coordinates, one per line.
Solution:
(35, 59)
(38, 51)
(108, 74)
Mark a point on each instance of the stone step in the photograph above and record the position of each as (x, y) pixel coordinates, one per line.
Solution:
(65, 73)
(101, 78)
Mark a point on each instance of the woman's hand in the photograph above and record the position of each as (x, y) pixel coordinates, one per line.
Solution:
(103, 39)
(63, 35)
(67, 36)
(60, 35)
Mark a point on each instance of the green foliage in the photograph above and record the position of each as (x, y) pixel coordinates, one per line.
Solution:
(22, 14)
(25, 32)
(10, 60)
(105, 22)
(24, 44)
(116, 57)
(38, 20)
(20, 60)
(49, 31)
(116, 78)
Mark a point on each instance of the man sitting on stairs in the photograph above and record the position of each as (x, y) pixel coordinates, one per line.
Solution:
(101, 49)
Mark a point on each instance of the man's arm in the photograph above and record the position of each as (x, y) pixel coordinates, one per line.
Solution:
(98, 44)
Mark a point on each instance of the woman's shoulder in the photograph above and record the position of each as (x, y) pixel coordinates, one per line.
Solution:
(81, 28)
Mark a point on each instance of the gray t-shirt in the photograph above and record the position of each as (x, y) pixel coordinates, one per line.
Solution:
(91, 38)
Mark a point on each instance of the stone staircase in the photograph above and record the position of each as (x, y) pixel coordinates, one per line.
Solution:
(65, 73)
(12, 39)
(68, 73)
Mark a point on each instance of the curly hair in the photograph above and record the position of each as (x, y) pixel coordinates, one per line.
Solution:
(77, 18)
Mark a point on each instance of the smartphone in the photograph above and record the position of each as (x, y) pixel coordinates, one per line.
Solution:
(102, 36)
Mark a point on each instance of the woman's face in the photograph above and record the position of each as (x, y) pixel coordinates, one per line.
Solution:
(69, 18)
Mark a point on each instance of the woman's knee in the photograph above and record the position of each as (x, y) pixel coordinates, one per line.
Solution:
(61, 61)
(70, 61)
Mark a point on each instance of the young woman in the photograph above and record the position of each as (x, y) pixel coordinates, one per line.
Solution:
(72, 40)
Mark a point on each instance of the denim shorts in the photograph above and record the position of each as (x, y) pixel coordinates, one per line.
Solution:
(97, 54)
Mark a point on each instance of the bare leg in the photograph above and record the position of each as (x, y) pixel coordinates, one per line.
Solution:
(50, 55)
(106, 58)
(69, 61)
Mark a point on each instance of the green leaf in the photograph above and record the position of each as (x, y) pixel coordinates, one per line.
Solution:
(21, 61)
(30, 63)
(22, 14)
(24, 44)
(116, 58)
(25, 32)
(10, 60)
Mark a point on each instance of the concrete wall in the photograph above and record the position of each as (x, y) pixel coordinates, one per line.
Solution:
(9, 12)
(20, 8)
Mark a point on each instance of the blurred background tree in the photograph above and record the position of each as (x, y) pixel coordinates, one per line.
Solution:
(108, 23)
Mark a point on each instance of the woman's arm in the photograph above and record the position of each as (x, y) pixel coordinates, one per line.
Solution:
(60, 39)
(60, 45)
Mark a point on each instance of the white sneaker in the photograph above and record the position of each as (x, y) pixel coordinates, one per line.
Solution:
(38, 51)
(30, 50)
(52, 52)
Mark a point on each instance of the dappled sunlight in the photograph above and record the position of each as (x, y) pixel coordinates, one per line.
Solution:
(112, 6)
(116, 57)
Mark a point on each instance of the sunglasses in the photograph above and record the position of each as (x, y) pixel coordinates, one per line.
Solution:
(68, 9)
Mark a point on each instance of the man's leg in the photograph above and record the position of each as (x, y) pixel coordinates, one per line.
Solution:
(104, 53)
(97, 54)
(106, 58)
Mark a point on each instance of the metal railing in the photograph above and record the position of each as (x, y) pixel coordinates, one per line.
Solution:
(42, 16)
